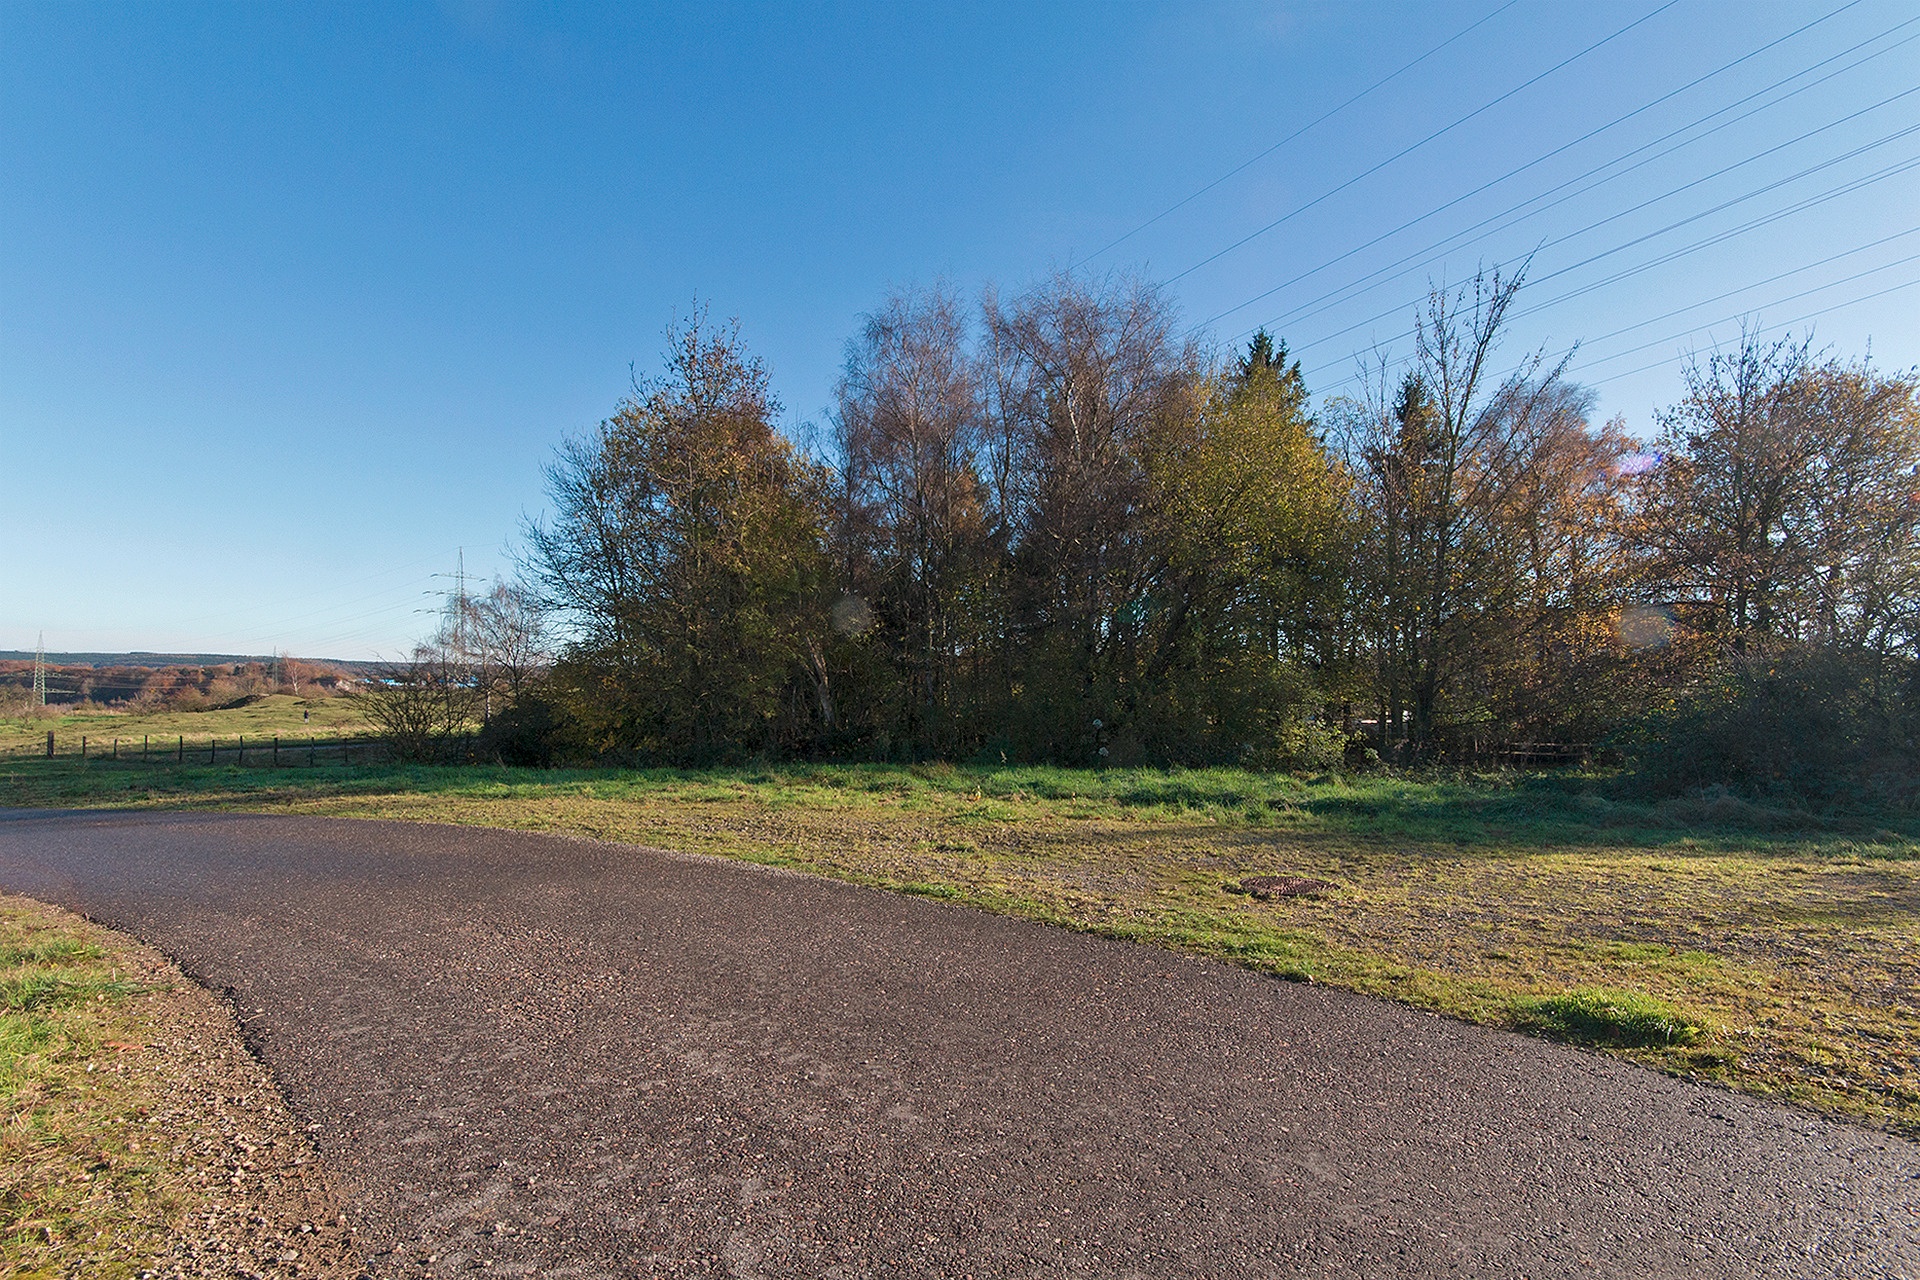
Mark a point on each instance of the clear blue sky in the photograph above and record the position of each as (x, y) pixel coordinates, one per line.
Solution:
(296, 300)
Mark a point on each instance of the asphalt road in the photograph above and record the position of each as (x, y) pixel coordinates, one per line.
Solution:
(531, 1055)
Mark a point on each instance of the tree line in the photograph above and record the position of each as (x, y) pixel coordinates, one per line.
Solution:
(1053, 527)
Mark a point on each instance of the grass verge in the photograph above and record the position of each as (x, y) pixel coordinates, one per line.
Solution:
(1772, 950)
(140, 1137)
(1607, 1018)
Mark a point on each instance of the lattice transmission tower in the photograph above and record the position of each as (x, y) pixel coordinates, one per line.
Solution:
(40, 671)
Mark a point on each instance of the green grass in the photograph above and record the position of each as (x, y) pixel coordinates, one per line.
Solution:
(259, 721)
(139, 1140)
(1608, 1018)
(38, 992)
(1787, 941)
(77, 1195)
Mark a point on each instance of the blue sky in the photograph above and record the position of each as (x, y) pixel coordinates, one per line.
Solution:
(295, 301)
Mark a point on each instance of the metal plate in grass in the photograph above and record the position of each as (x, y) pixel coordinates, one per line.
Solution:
(1267, 888)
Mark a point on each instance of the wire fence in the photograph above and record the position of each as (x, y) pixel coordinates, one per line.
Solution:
(271, 752)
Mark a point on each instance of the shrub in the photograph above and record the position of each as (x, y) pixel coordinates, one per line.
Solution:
(418, 708)
(18, 704)
(526, 733)
(1800, 722)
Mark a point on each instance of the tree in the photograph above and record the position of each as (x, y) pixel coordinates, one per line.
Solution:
(1862, 520)
(1782, 523)
(1717, 516)
(1784, 502)
(1484, 503)
(1249, 515)
(914, 545)
(687, 550)
(1082, 378)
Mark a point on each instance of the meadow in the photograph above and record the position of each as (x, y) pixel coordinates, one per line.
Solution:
(257, 719)
(1772, 950)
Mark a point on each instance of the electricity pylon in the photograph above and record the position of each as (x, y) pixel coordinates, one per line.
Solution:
(40, 671)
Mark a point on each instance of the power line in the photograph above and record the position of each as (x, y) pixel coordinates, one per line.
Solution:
(1447, 244)
(1446, 241)
(1720, 237)
(270, 631)
(1792, 297)
(1311, 124)
(205, 618)
(1409, 150)
(1845, 188)
(1786, 324)
(407, 604)
(1828, 163)
(1721, 297)
(1389, 365)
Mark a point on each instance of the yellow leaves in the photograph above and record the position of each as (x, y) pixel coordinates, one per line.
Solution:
(1247, 478)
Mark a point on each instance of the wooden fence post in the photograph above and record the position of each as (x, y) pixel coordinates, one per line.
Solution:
(83, 746)
(49, 744)
(276, 751)
(183, 748)
(243, 750)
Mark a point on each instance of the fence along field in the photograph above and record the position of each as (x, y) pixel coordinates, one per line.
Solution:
(275, 752)
(263, 730)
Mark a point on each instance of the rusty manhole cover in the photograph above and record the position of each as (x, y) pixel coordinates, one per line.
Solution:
(1266, 888)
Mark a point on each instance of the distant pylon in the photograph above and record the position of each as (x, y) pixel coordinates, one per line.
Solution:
(40, 671)
(460, 607)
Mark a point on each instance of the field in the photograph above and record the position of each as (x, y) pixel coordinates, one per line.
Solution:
(293, 719)
(1772, 951)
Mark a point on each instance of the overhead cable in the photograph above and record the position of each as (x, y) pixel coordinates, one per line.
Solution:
(1445, 242)
(1409, 150)
(1311, 124)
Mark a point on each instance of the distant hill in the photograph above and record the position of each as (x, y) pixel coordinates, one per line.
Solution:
(152, 661)
(135, 659)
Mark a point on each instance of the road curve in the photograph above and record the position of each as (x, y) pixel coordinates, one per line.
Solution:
(530, 1055)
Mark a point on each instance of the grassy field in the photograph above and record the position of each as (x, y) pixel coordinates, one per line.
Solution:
(293, 719)
(1776, 952)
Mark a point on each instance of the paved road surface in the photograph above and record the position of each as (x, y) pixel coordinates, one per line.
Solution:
(531, 1055)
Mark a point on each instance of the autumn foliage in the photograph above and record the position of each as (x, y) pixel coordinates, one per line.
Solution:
(1058, 528)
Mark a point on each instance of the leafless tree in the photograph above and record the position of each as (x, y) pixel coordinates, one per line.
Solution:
(421, 706)
(500, 637)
